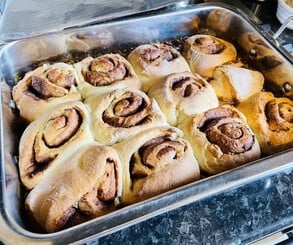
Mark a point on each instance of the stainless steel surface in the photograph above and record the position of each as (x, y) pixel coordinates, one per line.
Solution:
(17, 57)
(31, 17)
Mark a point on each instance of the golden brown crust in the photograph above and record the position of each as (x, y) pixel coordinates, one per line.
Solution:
(271, 119)
(105, 73)
(234, 84)
(44, 88)
(154, 161)
(183, 94)
(221, 139)
(44, 139)
(153, 62)
(122, 113)
(205, 52)
(277, 72)
(86, 184)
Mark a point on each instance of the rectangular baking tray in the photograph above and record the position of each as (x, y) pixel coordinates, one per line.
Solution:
(118, 35)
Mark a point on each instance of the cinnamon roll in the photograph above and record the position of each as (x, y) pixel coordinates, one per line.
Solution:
(66, 125)
(86, 41)
(154, 161)
(205, 52)
(44, 88)
(105, 73)
(271, 119)
(277, 72)
(122, 113)
(234, 84)
(221, 139)
(86, 184)
(153, 62)
(220, 20)
(183, 94)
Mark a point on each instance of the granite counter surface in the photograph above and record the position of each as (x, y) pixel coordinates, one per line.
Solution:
(240, 216)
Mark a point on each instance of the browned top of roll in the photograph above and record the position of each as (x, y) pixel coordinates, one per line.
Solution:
(129, 110)
(105, 70)
(187, 85)
(161, 51)
(209, 45)
(155, 154)
(56, 83)
(223, 127)
(279, 115)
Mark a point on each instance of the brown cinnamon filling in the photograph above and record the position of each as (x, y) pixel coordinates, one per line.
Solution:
(56, 83)
(223, 128)
(230, 134)
(103, 194)
(37, 167)
(95, 202)
(209, 45)
(187, 86)
(57, 132)
(163, 52)
(215, 114)
(107, 190)
(279, 115)
(60, 129)
(153, 155)
(127, 111)
(62, 78)
(105, 70)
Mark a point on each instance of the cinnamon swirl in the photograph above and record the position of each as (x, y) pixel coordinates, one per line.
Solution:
(66, 125)
(183, 94)
(271, 119)
(153, 62)
(122, 113)
(154, 161)
(44, 88)
(86, 185)
(105, 73)
(205, 52)
(221, 139)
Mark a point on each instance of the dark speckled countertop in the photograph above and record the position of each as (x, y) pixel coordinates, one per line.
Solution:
(239, 216)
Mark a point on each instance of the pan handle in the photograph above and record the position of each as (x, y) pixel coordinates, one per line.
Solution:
(282, 27)
(2, 5)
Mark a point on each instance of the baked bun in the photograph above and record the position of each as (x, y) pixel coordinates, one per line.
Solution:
(153, 62)
(235, 84)
(105, 73)
(85, 42)
(220, 20)
(84, 184)
(277, 72)
(154, 161)
(66, 125)
(182, 94)
(122, 113)
(271, 119)
(44, 88)
(221, 139)
(205, 52)
(37, 49)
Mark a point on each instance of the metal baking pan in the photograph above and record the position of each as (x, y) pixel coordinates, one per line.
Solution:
(118, 35)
